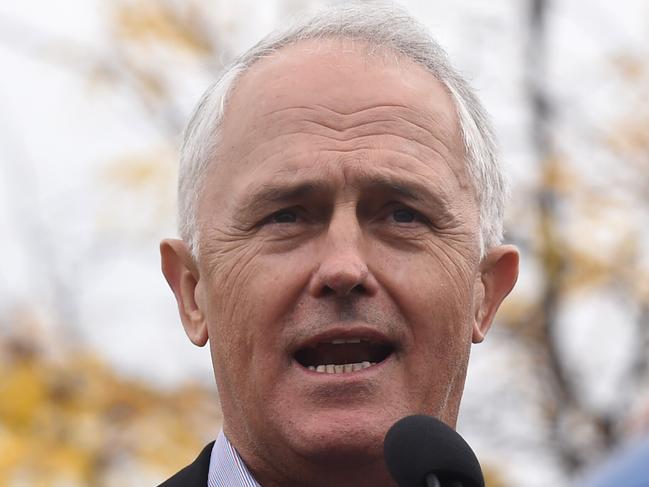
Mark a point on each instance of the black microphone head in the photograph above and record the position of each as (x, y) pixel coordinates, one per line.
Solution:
(416, 446)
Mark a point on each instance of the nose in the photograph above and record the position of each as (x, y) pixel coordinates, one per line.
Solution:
(342, 269)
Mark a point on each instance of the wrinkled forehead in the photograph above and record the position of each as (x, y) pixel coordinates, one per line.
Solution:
(344, 78)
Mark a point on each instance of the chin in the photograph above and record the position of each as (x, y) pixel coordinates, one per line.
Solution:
(340, 437)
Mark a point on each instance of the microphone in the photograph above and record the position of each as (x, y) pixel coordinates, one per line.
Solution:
(421, 451)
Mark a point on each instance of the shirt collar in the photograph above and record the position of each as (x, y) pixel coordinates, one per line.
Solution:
(227, 468)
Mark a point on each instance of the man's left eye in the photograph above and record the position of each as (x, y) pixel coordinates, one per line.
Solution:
(404, 215)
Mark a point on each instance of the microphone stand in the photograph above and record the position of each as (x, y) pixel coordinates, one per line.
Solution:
(433, 481)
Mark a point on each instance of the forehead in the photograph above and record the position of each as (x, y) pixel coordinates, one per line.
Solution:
(344, 76)
(329, 100)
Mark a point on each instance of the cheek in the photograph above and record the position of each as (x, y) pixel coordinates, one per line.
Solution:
(438, 312)
(249, 294)
(429, 283)
(435, 296)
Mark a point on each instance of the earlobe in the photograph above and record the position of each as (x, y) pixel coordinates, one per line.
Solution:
(183, 278)
(498, 274)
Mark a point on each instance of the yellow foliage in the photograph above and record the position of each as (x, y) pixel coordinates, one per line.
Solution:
(492, 477)
(13, 448)
(75, 423)
(145, 181)
(642, 288)
(630, 139)
(633, 68)
(161, 22)
(560, 177)
(151, 169)
(74, 463)
(22, 389)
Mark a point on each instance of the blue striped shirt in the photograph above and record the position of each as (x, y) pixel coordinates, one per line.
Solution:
(227, 468)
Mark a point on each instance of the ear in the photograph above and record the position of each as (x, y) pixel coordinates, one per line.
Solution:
(498, 274)
(182, 276)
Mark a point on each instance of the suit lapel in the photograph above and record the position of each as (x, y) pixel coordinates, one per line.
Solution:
(194, 474)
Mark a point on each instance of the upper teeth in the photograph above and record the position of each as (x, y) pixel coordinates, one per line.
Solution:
(342, 368)
(340, 341)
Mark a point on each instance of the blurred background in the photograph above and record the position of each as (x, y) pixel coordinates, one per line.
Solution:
(99, 386)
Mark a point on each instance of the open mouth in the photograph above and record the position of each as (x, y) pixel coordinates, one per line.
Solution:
(342, 356)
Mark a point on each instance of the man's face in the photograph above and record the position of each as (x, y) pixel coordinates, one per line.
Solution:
(339, 265)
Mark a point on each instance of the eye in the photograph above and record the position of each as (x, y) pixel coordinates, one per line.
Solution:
(404, 215)
(283, 216)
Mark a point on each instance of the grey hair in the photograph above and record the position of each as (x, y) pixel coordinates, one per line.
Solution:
(382, 26)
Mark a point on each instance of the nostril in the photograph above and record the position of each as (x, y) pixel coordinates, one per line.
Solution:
(359, 289)
(327, 291)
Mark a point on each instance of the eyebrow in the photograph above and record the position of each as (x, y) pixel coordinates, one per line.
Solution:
(271, 193)
(407, 188)
(285, 192)
(403, 187)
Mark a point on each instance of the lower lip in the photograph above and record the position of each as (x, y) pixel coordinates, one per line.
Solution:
(346, 375)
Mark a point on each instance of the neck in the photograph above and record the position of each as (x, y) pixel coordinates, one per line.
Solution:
(341, 473)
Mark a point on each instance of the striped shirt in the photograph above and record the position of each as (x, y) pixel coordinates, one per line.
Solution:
(227, 468)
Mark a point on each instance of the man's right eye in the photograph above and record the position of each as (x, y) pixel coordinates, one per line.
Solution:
(283, 216)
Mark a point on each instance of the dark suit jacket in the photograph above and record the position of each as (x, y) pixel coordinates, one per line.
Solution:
(194, 474)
